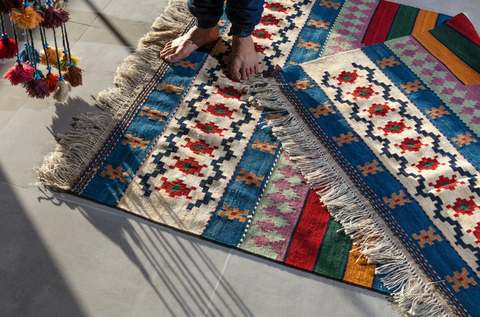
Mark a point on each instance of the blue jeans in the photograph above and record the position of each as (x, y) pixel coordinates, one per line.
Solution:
(244, 14)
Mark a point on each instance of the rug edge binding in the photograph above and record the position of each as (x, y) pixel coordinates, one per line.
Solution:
(75, 149)
(415, 295)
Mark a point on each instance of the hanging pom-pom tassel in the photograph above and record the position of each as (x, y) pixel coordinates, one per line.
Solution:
(36, 88)
(59, 4)
(20, 73)
(27, 17)
(38, 73)
(51, 54)
(53, 18)
(51, 80)
(7, 5)
(65, 61)
(8, 47)
(39, 6)
(74, 75)
(25, 57)
(62, 90)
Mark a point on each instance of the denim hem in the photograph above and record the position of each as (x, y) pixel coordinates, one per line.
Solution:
(241, 32)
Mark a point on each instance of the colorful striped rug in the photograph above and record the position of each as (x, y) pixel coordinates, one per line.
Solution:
(388, 137)
(184, 146)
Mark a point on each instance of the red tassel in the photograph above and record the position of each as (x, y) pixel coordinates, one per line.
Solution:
(7, 5)
(51, 81)
(54, 18)
(8, 48)
(74, 76)
(36, 88)
(20, 73)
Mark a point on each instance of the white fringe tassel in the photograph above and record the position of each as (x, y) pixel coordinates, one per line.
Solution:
(414, 294)
(75, 149)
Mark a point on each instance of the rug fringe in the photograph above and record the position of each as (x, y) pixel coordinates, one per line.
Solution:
(75, 149)
(412, 291)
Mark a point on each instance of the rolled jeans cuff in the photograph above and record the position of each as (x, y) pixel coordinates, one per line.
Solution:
(207, 24)
(241, 31)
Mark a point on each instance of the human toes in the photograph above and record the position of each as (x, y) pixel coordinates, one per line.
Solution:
(252, 72)
(245, 74)
(175, 57)
(235, 72)
(166, 50)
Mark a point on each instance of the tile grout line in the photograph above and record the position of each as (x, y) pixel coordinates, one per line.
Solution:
(218, 283)
(16, 114)
(100, 12)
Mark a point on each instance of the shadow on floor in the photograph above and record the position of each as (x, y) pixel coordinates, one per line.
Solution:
(31, 284)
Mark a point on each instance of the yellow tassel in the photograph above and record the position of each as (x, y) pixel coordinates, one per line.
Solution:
(51, 55)
(66, 59)
(26, 17)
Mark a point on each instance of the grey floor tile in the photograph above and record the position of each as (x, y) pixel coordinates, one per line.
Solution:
(64, 259)
(145, 11)
(132, 24)
(85, 11)
(265, 288)
(12, 98)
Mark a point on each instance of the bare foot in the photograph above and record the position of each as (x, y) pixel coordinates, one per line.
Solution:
(244, 58)
(182, 47)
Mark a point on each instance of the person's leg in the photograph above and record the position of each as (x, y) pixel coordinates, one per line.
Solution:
(244, 16)
(208, 13)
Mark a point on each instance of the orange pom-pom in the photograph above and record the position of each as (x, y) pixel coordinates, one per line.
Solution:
(51, 55)
(26, 17)
(51, 81)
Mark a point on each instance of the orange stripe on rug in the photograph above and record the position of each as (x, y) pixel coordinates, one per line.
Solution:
(461, 70)
(359, 271)
(426, 20)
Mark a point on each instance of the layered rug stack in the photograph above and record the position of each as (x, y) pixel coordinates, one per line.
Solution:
(360, 165)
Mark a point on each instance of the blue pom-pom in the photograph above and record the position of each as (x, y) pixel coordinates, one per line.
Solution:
(26, 3)
(47, 45)
(24, 56)
(65, 51)
(37, 77)
(4, 36)
(60, 78)
(49, 67)
(26, 44)
(70, 64)
(48, 3)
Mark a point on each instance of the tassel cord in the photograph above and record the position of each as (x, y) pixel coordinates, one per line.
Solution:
(58, 56)
(15, 36)
(4, 32)
(30, 50)
(66, 44)
(45, 47)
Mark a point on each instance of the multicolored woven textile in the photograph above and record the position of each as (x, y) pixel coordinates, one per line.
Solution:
(191, 151)
(396, 123)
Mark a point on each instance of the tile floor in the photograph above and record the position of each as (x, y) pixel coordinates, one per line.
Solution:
(65, 256)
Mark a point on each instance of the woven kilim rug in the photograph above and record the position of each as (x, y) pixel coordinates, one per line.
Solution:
(184, 146)
(388, 135)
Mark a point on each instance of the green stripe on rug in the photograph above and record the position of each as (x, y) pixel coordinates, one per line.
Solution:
(459, 45)
(333, 255)
(404, 22)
